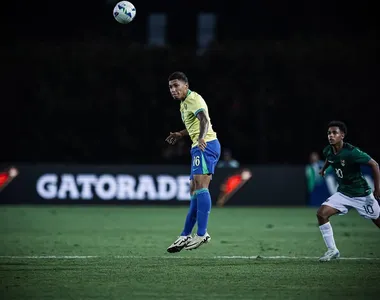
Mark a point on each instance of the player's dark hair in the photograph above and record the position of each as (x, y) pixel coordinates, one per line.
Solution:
(179, 76)
(342, 127)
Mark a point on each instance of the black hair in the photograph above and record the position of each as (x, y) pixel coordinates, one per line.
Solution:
(178, 76)
(342, 127)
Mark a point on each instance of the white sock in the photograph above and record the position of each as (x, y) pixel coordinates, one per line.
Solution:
(328, 235)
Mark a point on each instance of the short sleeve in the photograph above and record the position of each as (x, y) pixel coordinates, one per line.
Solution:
(360, 157)
(196, 105)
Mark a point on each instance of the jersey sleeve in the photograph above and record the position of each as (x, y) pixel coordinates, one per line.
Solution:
(196, 105)
(360, 157)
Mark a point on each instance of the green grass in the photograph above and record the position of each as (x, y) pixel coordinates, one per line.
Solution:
(129, 245)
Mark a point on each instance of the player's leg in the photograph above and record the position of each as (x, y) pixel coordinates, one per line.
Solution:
(332, 206)
(368, 207)
(201, 183)
(204, 163)
(191, 218)
(377, 222)
(376, 211)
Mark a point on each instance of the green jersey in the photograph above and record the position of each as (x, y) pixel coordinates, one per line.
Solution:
(346, 164)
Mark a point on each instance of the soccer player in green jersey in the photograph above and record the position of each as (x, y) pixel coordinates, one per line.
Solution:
(205, 153)
(353, 189)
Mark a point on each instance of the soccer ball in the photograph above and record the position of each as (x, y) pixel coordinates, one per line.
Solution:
(124, 12)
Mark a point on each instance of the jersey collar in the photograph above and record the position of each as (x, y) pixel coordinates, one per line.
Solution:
(332, 149)
(188, 93)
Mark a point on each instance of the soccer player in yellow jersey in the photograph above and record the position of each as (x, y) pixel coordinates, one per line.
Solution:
(205, 153)
(353, 189)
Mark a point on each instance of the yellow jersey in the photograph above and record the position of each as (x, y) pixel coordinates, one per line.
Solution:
(190, 107)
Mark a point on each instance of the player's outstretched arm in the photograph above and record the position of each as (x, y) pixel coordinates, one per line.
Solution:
(175, 136)
(376, 178)
(184, 132)
(324, 168)
(203, 128)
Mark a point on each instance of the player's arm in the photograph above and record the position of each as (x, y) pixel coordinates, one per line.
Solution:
(376, 177)
(175, 136)
(203, 128)
(184, 132)
(203, 124)
(324, 168)
(361, 157)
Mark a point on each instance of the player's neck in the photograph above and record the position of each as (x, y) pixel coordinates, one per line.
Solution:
(187, 94)
(337, 147)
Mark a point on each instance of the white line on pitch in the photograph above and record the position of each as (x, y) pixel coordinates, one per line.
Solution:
(175, 257)
(292, 257)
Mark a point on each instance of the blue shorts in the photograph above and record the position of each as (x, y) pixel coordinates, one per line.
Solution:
(204, 162)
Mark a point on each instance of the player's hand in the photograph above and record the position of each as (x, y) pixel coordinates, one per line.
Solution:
(322, 172)
(202, 144)
(173, 137)
(376, 194)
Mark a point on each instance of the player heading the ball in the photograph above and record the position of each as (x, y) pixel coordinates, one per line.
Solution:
(205, 153)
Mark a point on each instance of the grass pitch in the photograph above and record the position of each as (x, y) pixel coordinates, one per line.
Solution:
(92, 252)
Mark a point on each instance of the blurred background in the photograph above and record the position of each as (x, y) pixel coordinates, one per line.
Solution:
(87, 89)
(84, 89)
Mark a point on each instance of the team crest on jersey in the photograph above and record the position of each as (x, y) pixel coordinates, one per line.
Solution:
(343, 162)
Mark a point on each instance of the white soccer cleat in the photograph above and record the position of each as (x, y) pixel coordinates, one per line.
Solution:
(179, 244)
(329, 255)
(197, 241)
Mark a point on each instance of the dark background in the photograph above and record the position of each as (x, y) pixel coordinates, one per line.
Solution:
(81, 88)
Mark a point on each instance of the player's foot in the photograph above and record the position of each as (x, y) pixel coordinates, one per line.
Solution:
(197, 241)
(330, 254)
(179, 244)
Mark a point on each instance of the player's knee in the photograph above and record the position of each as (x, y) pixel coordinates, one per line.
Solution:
(197, 184)
(320, 217)
(201, 186)
(201, 182)
(322, 214)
